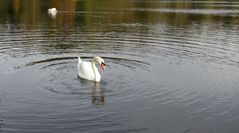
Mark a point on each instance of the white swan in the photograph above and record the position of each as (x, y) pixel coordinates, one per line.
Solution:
(88, 70)
(52, 11)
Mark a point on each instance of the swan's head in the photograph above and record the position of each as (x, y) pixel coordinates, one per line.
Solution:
(100, 61)
(52, 10)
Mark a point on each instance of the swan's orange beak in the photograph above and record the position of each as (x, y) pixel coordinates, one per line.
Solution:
(102, 65)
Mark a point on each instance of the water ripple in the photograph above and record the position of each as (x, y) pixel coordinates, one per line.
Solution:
(191, 11)
(156, 71)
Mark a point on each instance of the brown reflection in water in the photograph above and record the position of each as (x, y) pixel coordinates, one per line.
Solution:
(66, 12)
(30, 12)
(16, 6)
(94, 12)
(98, 13)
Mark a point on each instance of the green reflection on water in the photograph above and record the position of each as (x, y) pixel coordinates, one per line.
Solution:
(91, 12)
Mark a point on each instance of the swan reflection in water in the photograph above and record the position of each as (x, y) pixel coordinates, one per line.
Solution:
(86, 88)
(97, 93)
(97, 97)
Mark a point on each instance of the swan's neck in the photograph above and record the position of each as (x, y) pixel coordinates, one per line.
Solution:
(96, 72)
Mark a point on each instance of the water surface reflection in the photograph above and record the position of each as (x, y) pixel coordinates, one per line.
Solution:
(173, 66)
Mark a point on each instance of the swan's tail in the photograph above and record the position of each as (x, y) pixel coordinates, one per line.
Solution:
(79, 59)
(79, 62)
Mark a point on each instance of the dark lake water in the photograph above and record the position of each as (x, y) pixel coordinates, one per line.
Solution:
(172, 66)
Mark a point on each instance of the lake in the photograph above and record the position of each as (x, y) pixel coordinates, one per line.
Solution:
(172, 66)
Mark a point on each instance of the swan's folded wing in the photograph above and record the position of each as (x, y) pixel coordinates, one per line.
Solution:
(85, 70)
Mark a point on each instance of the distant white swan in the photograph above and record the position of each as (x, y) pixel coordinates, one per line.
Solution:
(52, 11)
(88, 70)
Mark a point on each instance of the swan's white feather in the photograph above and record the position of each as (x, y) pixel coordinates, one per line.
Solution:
(88, 70)
(52, 10)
